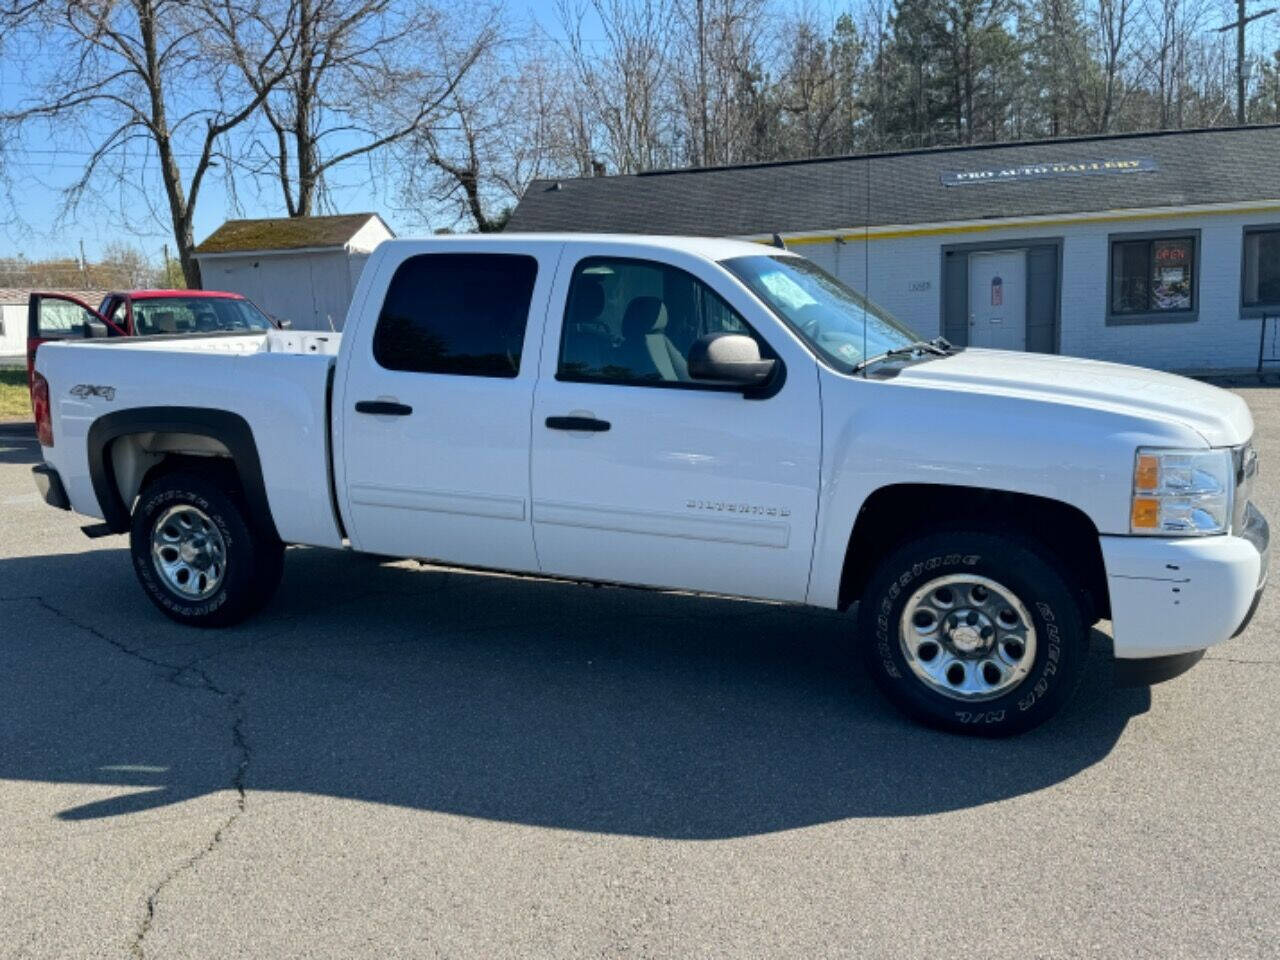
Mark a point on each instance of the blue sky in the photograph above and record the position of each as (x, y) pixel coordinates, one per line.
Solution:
(40, 170)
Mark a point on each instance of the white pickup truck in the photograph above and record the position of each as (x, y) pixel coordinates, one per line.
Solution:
(697, 414)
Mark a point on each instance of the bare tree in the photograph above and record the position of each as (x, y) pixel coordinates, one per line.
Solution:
(138, 87)
(366, 74)
(717, 48)
(810, 95)
(509, 121)
(120, 266)
(1113, 20)
(624, 84)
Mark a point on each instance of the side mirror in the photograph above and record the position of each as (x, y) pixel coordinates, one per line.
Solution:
(284, 323)
(94, 329)
(729, 358)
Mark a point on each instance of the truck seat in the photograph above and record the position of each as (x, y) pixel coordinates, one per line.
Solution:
(645, 348)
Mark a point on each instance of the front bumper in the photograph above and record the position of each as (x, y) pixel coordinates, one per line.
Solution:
(1182, 594)
(50, 486)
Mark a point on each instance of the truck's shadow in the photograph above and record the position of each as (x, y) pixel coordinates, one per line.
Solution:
(532, 702)
(19, 448)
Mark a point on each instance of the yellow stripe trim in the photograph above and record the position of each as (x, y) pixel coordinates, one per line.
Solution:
(890, 233)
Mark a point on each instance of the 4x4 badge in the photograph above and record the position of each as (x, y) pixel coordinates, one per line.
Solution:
(86, 390)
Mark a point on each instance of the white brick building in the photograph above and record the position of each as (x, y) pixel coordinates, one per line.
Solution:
(1157, 249)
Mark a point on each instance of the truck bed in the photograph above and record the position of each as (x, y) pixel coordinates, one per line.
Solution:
(306, 342)
(279, 385)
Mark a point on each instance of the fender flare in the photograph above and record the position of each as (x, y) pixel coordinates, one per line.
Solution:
(230, 429)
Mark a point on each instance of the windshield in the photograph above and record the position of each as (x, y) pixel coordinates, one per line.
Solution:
(196, 315)
(842, 326)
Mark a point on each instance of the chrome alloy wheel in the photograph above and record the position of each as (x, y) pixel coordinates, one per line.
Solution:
(967, 637)
(188, 552)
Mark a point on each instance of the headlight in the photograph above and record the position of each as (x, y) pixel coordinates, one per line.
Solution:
(1181, 492)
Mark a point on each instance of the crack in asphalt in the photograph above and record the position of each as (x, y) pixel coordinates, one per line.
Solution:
(237, 782)
(176, 674)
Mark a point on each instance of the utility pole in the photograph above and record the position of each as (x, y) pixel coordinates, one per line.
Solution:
(1242, 20)
(84, 267)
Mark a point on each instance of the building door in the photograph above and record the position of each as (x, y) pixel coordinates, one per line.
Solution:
(998, 299)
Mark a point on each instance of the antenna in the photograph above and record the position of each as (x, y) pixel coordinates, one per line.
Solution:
(866, 264)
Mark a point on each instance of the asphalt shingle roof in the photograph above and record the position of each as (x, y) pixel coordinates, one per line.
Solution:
(284, 233)
(10, 296)
(1191, 167)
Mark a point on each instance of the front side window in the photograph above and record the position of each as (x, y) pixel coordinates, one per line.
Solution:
(1153, 275)
(168, 315)
(633, 322)
(456, 313)
(1262, 268)
(840, 324)
(120, 315)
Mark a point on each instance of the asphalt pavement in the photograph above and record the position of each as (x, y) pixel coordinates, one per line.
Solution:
(405, 761)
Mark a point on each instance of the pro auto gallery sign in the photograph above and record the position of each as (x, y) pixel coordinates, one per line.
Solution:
(1048, 171)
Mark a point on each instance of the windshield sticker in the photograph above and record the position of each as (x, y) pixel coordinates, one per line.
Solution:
(786, 290)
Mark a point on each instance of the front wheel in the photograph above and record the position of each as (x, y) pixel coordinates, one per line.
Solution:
(974, 632)
(198, 554)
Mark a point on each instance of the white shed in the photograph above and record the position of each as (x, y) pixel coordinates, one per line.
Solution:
(13, 323)
(303, 269)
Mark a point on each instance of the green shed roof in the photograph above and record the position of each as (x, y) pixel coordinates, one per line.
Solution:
(285, 233)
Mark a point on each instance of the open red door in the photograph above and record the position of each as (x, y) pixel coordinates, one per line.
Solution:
(59, 316)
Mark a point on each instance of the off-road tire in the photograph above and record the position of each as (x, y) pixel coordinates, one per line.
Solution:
(254, 557)
(1033, 574)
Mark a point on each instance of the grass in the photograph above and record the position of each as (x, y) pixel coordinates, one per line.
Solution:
(15, 401)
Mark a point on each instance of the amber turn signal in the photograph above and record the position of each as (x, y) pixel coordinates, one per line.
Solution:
(1146, 513)
(1146, 475)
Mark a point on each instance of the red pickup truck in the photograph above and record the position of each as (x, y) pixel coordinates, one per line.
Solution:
(138, 313)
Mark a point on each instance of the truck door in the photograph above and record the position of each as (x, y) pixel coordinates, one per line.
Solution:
(59, 316)
(641, 474)
(433, 454)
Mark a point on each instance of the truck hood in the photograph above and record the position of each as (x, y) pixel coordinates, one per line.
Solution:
(1220, 417)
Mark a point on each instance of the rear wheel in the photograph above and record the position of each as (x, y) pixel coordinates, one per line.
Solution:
(974, 632)
(198, 554)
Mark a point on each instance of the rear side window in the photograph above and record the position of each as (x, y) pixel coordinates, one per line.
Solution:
(457, 313)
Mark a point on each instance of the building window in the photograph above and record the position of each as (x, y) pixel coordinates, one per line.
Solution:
(1153, 278)
(456, 313)
(1261, 268)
